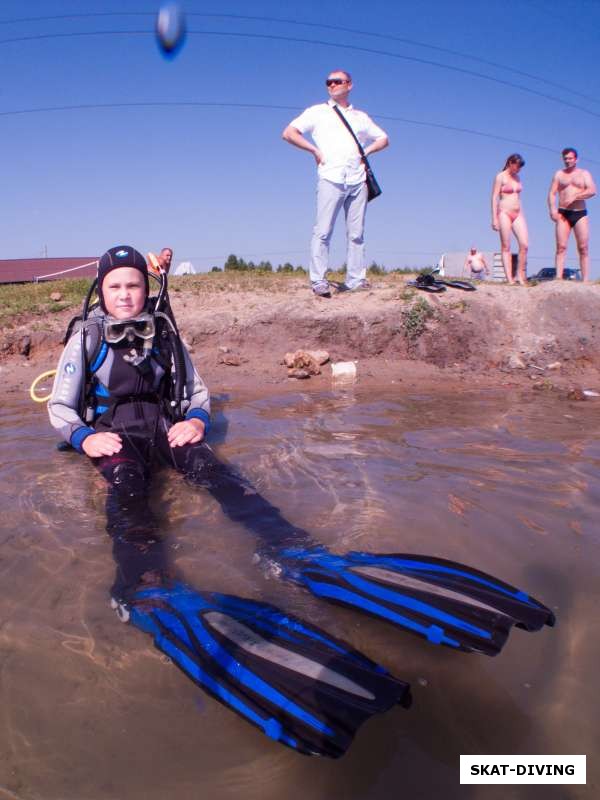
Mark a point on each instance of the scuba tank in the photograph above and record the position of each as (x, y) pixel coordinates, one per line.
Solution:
(175, 347)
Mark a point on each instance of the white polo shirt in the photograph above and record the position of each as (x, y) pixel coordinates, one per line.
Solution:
(342, 159)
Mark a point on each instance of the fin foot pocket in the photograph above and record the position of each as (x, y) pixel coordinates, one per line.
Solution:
(292, 680)
(442, 601)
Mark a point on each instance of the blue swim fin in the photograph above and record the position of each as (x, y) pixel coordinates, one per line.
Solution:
(292, 680)
(444, 602)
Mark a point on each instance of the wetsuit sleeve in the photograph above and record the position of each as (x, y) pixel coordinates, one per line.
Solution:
(197, 394)
(64, 402)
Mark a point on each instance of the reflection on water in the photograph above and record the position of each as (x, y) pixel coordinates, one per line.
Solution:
(91, 710)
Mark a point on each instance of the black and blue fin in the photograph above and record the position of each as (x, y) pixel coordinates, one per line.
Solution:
(292, 680)
(444, 602)
(464, 285)
(427, 284)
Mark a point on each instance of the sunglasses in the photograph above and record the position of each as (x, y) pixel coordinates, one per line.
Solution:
(335, 81)
(141, 327)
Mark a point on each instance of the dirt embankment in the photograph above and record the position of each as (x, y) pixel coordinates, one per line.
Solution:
(546, 335)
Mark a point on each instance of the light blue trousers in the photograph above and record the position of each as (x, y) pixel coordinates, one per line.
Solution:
(331, 198)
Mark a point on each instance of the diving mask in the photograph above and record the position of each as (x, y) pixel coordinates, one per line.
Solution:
(141, 327)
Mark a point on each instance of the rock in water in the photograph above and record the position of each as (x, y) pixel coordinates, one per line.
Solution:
(25, 346)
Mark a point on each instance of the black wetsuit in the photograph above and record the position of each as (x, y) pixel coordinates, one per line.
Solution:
(130, 400)
(139, 549)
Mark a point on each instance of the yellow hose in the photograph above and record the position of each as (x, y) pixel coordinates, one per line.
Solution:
(32, 389)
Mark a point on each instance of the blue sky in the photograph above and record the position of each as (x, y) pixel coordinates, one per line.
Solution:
(217, 179)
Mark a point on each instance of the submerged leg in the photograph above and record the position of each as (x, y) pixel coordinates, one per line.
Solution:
(442, 601)
(140, 554)
(239, 500)
(293, 681)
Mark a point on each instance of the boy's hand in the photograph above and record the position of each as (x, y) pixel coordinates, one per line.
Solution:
(189, 431)
(101, 444)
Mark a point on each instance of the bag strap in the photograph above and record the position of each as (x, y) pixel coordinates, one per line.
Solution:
(347, 124)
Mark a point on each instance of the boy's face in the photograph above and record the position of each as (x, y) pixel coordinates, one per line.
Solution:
(124, 292)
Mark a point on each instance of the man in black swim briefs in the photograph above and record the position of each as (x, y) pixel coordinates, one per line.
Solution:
(574, 186)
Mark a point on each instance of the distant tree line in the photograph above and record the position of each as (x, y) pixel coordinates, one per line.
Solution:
(235, 264)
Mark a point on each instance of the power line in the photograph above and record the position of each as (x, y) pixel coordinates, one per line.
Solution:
(319, 25)
(413, 59)
(270, 107)
(473, 132)
(319, 42)
(403, 40)
(168, 103)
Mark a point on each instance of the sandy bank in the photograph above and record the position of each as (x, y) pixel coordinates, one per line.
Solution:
(545, 335)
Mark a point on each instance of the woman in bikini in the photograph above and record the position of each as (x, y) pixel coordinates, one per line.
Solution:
(508, 217)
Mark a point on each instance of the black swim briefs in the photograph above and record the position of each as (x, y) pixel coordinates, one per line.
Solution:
(572, 215)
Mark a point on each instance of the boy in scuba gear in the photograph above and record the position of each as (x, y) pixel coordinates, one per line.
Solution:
(129, 374)
(127, 395)
(146, 403)
(114, 399)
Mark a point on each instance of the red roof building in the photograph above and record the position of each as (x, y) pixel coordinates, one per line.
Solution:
(26, 270)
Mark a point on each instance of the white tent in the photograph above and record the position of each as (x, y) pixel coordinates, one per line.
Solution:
(185, 268)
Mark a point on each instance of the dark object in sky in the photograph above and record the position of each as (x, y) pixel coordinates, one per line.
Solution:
(170, 29)
(295, 682)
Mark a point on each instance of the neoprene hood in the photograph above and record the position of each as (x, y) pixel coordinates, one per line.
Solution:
(122, 255)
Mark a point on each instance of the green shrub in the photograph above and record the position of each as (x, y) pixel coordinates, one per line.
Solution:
(414, 318)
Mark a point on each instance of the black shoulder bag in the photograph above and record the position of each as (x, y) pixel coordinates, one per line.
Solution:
(373, 188)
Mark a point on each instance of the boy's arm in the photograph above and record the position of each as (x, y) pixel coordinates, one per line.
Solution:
(197, 393)
(69, 383)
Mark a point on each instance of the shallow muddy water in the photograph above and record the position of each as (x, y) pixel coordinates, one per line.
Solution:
(90, 711)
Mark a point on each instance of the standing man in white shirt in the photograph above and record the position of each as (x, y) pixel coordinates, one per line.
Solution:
(341, 177)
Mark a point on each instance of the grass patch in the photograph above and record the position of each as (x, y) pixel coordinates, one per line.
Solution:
(233, 281)
(33, 299)
(255, 280)
(407, 294)
(414, 319)
(458, 305)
